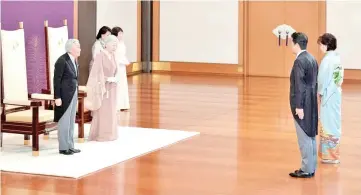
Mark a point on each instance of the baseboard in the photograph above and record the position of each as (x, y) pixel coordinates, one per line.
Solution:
(197, 68)
(133, 73)
(219, 69)
(352, 74)
(134, 68)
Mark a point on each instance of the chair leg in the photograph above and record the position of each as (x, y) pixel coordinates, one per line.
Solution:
(26, 140)
(35, 131)
(81, 132)
(81, 120)
(46, 136)
(1, 139)
(35, 144)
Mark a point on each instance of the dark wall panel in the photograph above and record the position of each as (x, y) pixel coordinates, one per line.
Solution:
(87, 11)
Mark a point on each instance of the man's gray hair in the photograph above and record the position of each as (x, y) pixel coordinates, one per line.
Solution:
(69, 44)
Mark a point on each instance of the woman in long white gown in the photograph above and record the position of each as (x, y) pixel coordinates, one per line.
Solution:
(122, 62)
(99, 43)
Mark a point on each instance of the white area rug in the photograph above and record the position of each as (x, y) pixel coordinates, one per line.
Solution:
(132, 142)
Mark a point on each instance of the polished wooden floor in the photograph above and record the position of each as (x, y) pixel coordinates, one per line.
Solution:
(247, 144)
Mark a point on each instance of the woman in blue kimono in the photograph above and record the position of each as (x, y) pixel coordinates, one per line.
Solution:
(330, 78)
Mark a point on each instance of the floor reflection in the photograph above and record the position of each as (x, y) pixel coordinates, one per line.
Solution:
(247, 144)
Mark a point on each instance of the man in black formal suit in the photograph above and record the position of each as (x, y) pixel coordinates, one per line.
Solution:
(66, 96)
(303, 102)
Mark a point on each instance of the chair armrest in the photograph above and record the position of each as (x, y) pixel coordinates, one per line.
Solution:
(39, 96)
(45, 91)
(22, 102)
(81, 94)
(82, 88)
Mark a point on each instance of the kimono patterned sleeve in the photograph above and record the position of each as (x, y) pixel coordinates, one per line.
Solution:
(96, 85)
(338, 74)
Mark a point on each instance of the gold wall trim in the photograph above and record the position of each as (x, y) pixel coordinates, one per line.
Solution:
(240, 68)
(136, 66)
(195, 67)
(163, 66)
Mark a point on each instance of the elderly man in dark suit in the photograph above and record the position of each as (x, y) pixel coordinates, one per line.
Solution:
(303, 102)
(66, 96)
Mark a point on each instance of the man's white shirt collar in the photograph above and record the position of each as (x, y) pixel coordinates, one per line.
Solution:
(72, 58)
(299, 53)
(73, 61)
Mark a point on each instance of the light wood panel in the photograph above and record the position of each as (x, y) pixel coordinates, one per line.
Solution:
(139, 31)
(303, 17)
(247, 144)
(321, 22)
(156, 31)
(76, 20)
(241, 24)
(245, 35)
(265, 56)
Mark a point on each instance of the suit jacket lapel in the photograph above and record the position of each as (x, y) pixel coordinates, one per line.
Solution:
(77, 67)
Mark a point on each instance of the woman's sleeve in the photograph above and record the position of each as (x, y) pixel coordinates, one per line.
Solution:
(324, 77)
(96, 49)
(95, 85)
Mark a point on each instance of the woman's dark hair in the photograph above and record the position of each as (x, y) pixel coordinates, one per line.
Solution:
(102, 31)
(329, 40)
(116, 30)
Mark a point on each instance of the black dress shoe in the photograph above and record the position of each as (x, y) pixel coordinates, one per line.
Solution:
(74, 150)
(66, 152)
(312, 174)
(301, 174)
